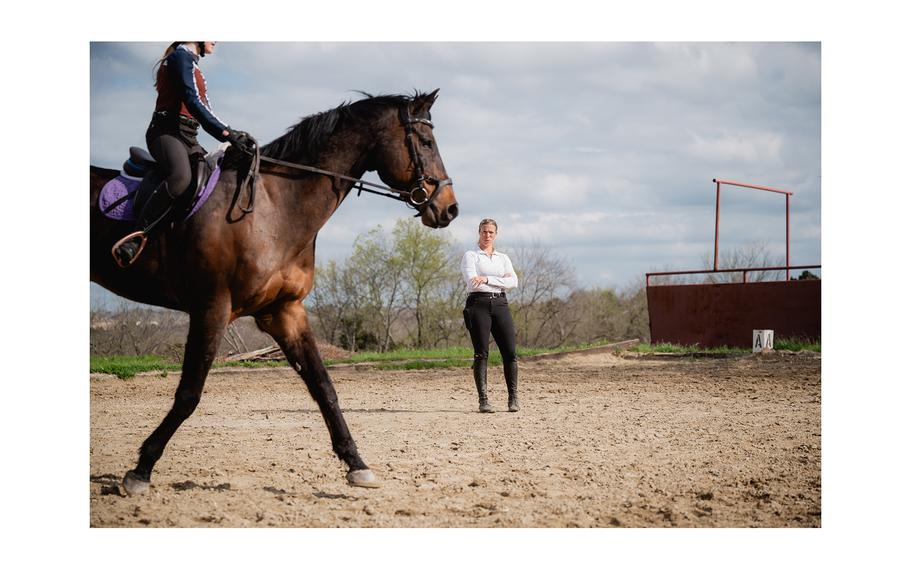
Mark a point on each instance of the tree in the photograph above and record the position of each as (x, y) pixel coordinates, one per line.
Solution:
(379, 280)
(422, 259)
(135, 329)
(542, 276)
(753, 255)
(443, 317)
(806, 275)
(329, 301)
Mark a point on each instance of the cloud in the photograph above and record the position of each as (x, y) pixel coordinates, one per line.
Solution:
(757, 148)
(558, 190)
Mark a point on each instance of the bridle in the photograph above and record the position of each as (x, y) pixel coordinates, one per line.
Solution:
(415, 196)
(404, 114)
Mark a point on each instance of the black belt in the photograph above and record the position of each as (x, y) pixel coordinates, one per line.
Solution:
(487, 295)
(184, 120)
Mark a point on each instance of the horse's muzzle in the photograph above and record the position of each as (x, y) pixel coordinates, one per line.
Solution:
(438, 216)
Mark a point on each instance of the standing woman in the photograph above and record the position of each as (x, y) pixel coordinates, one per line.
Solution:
(181, 108)
(488, 274)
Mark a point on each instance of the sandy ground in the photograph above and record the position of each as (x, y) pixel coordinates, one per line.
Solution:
(600, 441)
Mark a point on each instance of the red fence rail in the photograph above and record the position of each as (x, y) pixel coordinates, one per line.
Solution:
(721, 182)
(745, 271)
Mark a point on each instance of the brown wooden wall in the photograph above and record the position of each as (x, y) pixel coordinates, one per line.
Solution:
(713, 315)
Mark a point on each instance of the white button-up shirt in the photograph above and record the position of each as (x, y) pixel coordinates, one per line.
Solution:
(495, 267)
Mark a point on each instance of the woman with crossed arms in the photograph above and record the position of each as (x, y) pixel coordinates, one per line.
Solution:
(488, 273)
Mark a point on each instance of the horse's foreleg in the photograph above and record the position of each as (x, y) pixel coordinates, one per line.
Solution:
(206, 330)
(291, 330)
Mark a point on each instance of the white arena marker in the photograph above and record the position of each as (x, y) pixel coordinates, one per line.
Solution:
(762, 339)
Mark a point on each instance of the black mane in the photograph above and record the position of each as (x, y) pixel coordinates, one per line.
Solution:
(304, 141)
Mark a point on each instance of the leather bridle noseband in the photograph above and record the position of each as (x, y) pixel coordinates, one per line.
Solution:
(416, 196)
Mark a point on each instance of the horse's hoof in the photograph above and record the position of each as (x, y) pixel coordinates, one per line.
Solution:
(362, 478)
(134, 485)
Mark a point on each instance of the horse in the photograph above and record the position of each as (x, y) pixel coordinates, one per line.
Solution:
(222, 264)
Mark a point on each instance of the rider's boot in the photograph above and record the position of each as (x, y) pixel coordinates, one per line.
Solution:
(159, 204)
(480, 379)
(511, 372)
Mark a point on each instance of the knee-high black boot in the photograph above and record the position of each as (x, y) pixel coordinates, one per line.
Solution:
(511, 372)
(159, 204)
(480, 379)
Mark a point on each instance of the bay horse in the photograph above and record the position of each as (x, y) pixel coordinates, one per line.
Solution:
(218, 266)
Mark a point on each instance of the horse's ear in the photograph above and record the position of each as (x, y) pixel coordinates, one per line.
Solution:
(424, 102)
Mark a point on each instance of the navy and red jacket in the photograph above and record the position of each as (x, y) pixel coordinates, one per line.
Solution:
(182, 90)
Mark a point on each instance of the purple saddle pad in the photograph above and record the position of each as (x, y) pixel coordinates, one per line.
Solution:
(124, 185)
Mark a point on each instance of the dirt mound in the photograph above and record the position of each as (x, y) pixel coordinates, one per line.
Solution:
(329, 351)
(590, 360)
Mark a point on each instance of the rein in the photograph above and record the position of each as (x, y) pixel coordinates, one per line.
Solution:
(359, 184)
(412, 197)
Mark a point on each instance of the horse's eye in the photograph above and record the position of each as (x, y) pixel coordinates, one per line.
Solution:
(427, 143)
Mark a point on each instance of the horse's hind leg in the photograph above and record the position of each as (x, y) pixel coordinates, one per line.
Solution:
(206, 330)
(290, 328)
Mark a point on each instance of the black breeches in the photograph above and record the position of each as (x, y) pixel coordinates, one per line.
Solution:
(483, 316)
(173, 160)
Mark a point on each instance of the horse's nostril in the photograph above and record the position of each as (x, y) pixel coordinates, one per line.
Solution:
(452, 211)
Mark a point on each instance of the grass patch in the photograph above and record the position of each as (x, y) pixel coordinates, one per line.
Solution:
(783, 344)
(127, 367)
(673, 348)
(453, 357)
(405, 354)
(797, 344)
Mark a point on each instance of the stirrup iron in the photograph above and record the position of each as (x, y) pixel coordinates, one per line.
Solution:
(143, 239)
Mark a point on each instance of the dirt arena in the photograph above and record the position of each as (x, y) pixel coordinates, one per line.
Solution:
(600, 441)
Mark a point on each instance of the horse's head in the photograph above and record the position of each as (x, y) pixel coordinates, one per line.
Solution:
(408, 158)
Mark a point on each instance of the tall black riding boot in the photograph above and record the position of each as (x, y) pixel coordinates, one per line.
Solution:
(159, 204)
(511, 372)
(480, 379)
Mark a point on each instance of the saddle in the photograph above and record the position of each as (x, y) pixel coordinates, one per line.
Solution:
(123, 197)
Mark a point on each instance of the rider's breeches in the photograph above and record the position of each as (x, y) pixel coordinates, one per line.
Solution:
(485, 315)
(174, 162)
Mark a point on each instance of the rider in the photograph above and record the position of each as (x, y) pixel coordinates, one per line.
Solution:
(182, 107)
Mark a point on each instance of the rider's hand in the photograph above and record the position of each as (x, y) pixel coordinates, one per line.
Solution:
(241, 140)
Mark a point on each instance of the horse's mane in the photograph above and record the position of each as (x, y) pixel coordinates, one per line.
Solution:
(306, 139)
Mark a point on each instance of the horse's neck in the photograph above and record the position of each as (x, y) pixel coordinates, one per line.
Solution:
(317, 197)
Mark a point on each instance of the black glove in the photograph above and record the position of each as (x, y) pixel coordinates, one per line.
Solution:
(241, 140)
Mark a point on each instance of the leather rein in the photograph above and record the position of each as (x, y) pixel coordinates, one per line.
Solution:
(416, 197)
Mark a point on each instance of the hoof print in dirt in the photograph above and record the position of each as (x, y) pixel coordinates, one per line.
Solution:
(112, 490)
(188, 485)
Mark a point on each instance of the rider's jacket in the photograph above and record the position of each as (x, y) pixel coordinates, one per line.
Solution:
(182, 93)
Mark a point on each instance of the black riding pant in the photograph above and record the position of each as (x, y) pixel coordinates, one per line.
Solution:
(173, 160)
(484, 315)
(175, 147)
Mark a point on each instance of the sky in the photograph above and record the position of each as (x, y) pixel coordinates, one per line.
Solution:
(602, 152)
